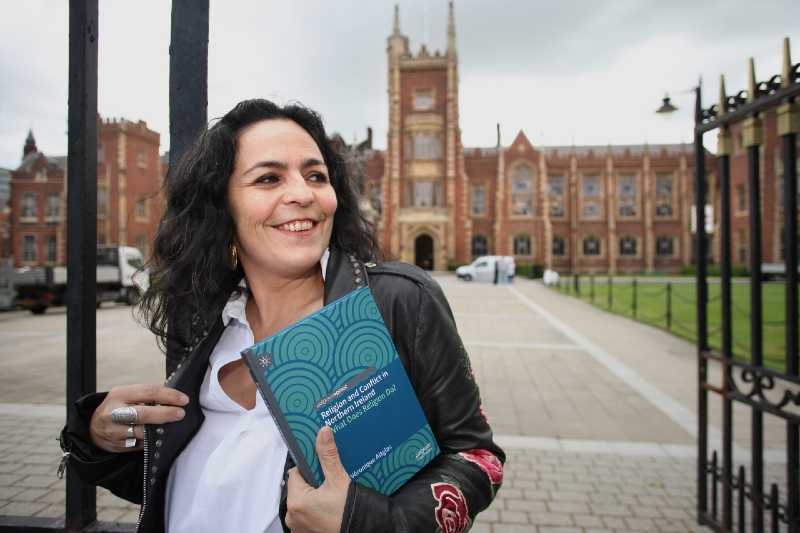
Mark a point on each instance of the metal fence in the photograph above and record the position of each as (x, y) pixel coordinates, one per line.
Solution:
(765, 391)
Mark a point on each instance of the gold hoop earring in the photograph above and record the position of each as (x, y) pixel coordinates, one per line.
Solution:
(233, 257)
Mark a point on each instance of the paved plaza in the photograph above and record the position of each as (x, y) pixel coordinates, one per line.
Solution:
(597, 413)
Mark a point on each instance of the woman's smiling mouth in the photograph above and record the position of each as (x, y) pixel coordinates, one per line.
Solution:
(297, 226)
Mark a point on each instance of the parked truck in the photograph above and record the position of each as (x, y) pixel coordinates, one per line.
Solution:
(120, 278)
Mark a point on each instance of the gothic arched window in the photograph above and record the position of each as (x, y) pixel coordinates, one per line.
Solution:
(522, 190)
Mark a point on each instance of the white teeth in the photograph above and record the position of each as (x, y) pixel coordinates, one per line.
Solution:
(297, 226)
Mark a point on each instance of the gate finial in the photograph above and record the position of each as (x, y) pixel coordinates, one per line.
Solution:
(752, 83)
(786, 78)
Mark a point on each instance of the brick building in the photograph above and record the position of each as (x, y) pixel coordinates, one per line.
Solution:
(128, 182)
(572, 208)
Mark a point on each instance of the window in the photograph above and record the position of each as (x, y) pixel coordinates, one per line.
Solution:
(480, 246)
(426, 145)
(663, 210)
(478, 200)
(522, 191)
(522, 245)
(664, 195)
(423, 194)
(664, 246)
(626, 194)
(591, 186)
(556, 193)
(102, 202)
(141, 208)
(627, 246)
(559, 246)
(591, 210)
(591, 245)
(423, 100)
(41, 175)
(29, 248)
(141, 159)
(663, 185)
(741, 197)
(51, 248)
(52, 206)
(28, 205)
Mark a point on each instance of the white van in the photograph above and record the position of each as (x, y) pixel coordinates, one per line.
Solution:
(483, 268)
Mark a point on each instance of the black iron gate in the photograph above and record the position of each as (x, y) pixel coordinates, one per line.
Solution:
(730, 500)
(188, 104)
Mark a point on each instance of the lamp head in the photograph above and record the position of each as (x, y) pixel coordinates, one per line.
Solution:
(666, 106)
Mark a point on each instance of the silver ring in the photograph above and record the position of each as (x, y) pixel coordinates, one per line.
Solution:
(125, 415)
(130, 434)
(130, 443)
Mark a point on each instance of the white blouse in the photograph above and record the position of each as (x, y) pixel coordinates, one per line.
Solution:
(228, 476)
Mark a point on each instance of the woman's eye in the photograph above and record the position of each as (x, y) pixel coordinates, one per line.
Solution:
(318, 177)
(268, 179)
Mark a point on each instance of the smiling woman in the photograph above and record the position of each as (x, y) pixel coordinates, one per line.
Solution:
(262, 228)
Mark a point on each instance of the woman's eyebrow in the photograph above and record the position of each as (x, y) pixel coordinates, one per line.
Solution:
(310, 162)
(268, 164)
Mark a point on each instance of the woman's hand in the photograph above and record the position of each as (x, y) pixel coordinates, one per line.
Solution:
(310, 510)
(110, 435)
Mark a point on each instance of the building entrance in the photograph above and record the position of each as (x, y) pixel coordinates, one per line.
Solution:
(423, 252)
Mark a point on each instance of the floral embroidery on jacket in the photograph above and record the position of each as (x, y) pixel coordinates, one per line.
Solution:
(487, 462)
(452, 513)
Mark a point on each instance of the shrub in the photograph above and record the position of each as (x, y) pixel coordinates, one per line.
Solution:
(529, 270)
(714, 270)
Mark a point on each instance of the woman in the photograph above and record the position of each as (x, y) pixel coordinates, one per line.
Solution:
(262, 228)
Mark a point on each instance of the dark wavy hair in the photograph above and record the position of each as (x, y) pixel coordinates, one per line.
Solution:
(190, 276)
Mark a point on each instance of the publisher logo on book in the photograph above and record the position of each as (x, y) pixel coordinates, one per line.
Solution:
(424, 451)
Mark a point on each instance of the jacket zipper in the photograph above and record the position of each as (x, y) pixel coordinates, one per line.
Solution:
(144, 483)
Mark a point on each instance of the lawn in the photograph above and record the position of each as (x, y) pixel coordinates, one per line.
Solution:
(652, 303)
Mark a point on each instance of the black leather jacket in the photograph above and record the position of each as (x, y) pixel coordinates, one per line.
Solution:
(445, 496)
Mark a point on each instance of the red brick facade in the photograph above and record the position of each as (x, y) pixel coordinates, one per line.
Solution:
(128, 204)
(575, 208)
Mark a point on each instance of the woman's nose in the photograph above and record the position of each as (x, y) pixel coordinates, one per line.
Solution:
(297, 191)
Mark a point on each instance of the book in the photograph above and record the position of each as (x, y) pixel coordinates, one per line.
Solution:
(339, 367)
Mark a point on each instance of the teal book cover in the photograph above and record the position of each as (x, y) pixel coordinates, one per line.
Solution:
(339, 367)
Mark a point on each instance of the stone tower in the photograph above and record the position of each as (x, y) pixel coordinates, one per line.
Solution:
(424, 190)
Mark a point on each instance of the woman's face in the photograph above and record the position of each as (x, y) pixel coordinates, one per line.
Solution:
(281, 199)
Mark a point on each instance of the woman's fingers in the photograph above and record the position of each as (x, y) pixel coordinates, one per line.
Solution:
(164, 407)
(149, 393)
(156, 414)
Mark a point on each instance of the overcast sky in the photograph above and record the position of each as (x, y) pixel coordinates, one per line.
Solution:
(582, 72)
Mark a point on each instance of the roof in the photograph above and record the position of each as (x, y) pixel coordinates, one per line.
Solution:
(59, 161)
(618, 150)
(633, 150)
